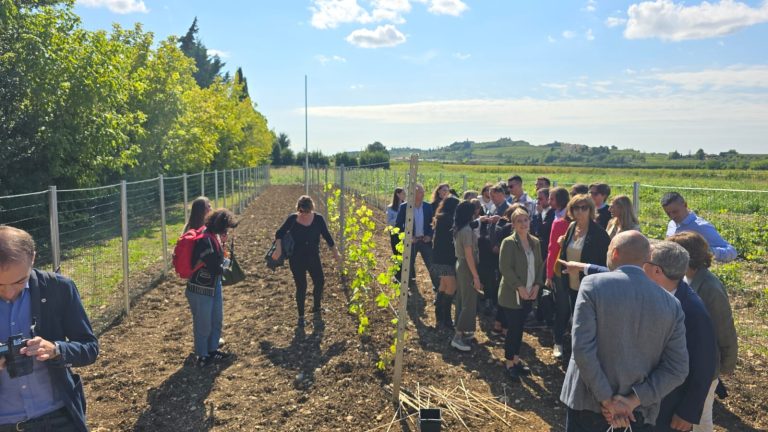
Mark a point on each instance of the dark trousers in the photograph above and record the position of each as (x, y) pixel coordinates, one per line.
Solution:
(56, 421)
(588, 421)
(515, 319)
(300, 265)
(565, 302)
(394, 239)
(425, 250)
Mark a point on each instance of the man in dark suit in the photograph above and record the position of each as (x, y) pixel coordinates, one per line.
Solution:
(422, 233)
(628, 344)
(600, 193)
(541, 226)
(45, 309)
(682, 408)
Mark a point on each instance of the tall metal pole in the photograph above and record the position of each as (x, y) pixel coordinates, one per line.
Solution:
(164, 231)
(402, 314)
(124, 226)
(306, 140)
(53, 209)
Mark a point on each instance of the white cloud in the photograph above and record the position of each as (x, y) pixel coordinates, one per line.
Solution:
(530, 112)
(667, 20)
(330, 13)
(221, 54)
(555, 86)
(629, 71)
(568, 34)
(749, 77)
(591, 6)
(615, 21)
(447, 7)
(383, 36)
(117, 6)
(423, 58)
(551, 39)
(356, 86)
(462, 56)
(326, 59)
(589, 35)
(390, 10)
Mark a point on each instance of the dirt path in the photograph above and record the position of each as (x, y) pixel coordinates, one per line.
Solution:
(322, 379)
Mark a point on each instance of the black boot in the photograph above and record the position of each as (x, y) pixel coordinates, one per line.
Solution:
(447, 322)
(438, 308)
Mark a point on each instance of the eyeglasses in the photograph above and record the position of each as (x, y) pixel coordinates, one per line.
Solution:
(580, 208)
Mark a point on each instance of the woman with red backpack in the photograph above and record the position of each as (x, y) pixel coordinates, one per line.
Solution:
(204, 287)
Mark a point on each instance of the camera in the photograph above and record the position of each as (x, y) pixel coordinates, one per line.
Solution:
(17, 364)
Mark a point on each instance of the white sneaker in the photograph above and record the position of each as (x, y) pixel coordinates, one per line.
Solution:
(458, 343)
(558, 350)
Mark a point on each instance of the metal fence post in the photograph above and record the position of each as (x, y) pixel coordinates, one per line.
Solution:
(224, 183)
(202, 183)
(240, 190)
(402, 316)
(341, 210)
(232, 187)
(636, 197)
(186, 198)
(53, 209)
(465, 182)
(554, 183)
(216, 188)
(124, 223)
(163, 230)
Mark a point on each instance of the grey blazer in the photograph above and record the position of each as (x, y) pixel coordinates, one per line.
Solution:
(628, 334)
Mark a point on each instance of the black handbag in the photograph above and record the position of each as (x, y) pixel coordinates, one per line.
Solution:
(234, 273)
(272, 263)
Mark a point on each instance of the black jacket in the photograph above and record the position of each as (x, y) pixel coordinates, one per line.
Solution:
(595, 246)
(61, 318)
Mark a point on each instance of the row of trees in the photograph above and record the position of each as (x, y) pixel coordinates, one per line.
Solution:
(374, 154)
(80, 108)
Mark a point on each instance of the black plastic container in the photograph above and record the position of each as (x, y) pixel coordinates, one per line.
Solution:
(430, 419)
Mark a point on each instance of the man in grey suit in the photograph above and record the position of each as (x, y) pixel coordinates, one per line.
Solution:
(629, 346)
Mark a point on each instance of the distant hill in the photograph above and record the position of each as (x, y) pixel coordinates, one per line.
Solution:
(518, 152)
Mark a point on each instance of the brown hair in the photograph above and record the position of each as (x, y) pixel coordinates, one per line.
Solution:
(520, 211)
(697, 247)
(219, 220)
(305, 204)
(579, 199)
(201, 206)
(16, 246)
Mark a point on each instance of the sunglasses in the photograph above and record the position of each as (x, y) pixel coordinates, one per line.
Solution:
(580, 208)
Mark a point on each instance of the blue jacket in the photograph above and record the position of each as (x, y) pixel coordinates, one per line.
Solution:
(400, 222)
(61, 318)
(687, 400)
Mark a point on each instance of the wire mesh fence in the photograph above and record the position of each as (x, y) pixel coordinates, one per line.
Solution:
(106, 236)
(739, 215)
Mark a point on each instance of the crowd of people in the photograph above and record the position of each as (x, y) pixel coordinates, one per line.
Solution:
(642, 327)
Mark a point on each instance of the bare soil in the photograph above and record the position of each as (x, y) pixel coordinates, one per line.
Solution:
(321, 378)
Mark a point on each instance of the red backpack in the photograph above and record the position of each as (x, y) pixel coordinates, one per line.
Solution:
(182, 252)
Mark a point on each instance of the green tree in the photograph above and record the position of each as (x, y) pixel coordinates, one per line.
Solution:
(208, 67)
(700, 155)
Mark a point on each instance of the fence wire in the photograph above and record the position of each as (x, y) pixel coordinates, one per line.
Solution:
(87, 229)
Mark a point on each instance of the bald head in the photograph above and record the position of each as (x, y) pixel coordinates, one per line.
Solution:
(628, 248)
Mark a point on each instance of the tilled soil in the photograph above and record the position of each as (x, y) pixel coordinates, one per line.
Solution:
(321, 378)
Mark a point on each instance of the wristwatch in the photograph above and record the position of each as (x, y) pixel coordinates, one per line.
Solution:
(57, 350)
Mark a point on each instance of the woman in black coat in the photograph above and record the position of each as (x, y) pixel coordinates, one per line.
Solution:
(585, 241)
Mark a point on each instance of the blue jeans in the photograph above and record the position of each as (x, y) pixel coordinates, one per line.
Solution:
(207, 318)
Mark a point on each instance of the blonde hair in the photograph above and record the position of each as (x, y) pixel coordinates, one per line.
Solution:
(517, 213)
(626, 212)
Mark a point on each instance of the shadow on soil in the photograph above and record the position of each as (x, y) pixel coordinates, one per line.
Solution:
(181, 399)
(304, 354)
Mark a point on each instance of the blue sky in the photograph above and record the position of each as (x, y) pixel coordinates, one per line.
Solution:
(655, 75)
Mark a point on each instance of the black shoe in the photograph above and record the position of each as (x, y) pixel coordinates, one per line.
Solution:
(522, 369)
(513, 374)
(301, 322)
(202, 362)
(218, 356)
(316, 309)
